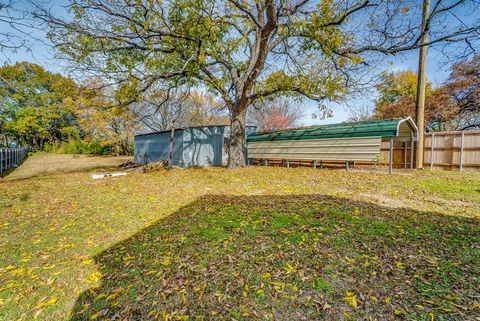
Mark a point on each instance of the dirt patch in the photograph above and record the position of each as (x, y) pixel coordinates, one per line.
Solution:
(386, 201)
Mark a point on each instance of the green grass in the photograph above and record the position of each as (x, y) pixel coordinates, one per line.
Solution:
(259, 243)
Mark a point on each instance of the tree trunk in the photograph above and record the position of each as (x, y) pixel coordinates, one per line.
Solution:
(236, 147)
(421, 86)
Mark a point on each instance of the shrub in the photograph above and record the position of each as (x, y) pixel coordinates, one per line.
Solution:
(78, 146)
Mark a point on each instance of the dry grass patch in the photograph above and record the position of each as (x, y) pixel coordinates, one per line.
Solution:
(51, 164)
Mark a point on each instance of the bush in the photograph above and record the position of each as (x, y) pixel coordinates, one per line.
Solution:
(77, 146)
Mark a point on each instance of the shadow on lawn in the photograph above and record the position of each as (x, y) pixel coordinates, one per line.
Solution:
(301, 257)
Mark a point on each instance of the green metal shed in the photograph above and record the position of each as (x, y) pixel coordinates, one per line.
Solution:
(358, 141)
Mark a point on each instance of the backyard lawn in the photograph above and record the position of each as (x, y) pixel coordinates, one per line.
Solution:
(260, 243)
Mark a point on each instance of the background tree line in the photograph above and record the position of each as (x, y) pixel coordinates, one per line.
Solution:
(47, 111)
(454, 105)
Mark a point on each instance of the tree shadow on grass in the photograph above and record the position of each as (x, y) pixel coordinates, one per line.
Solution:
(301, 257)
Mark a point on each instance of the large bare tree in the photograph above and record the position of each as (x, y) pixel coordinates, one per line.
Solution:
(243, 50)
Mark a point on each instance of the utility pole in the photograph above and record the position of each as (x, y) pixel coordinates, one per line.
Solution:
(421, 84)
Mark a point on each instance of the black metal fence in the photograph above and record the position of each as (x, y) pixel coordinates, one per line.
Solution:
(11, 157)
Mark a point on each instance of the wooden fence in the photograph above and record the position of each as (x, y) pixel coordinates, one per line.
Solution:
(11, 157)
(442, 151)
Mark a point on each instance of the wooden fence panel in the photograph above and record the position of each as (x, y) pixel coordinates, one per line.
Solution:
(447, 150)
(401, 154)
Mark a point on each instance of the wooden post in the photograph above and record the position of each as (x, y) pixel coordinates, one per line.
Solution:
(422, 82)
(288, 163)
(347, 165)
(390, 157)
(412, 150)
(432, 151)
(314, 164)
(321, 164)
(265, 162)
(1, 160)
(405, 151)
(462, 142)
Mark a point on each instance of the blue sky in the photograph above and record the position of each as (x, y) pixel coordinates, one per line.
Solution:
(437, 72)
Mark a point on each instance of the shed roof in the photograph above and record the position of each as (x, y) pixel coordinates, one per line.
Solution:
(178, 129)
(184, 128)
(371, 128)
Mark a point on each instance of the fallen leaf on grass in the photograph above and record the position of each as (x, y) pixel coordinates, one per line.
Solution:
(351, 298)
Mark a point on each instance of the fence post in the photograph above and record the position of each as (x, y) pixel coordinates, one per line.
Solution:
(1, 160)
(314, 164)
(412, 150)
(462, 142)
(390, 157)
(432, 155)
(405, 151)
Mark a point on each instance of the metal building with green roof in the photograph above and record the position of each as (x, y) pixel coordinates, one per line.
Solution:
(358, 141)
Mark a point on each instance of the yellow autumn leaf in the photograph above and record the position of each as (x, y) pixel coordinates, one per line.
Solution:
(351, 298)
(100, 296)
(166, 261)
(52, 300)
(94, 277)
(289, 268)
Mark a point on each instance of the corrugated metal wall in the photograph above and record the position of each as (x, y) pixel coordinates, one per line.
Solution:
(194, 146)
(154, 147)
(203, 146)
(354, 149)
